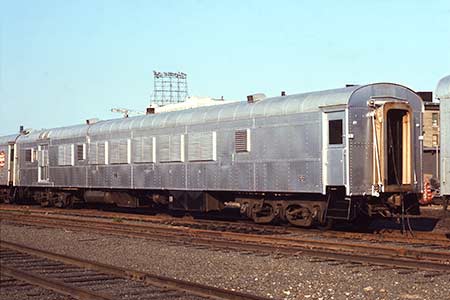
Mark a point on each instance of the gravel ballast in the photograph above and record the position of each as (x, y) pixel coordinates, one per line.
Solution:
(272, 275)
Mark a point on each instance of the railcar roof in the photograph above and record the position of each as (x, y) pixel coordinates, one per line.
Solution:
(55, 133)
(4, 140)
(443, 88)
(273, 106)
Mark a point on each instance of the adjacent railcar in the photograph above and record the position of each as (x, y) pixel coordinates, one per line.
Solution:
(443, 95)
(7, 166)
(304, 158)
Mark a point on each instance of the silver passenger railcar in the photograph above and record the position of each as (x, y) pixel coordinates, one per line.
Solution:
(304, 158)
(443, 95)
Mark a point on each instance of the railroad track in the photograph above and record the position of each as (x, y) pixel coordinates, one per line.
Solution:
(11, 288)
(427, 239)
(234, 226)
(368, 253)
(83, 279)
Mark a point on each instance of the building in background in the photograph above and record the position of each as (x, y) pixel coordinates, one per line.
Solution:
(430, 139)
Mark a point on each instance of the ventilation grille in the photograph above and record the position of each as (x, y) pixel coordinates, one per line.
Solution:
(97, 153)
(202, 146)
(144, 150)
(119, 151)
(171, 148)
(242, 140)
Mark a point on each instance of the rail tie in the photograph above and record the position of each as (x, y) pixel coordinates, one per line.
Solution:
(395, 257)
(53, 285)
(192, 288)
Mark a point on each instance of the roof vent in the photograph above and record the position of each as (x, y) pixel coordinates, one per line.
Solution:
(283, 93)
(91, 121)
(255, 97)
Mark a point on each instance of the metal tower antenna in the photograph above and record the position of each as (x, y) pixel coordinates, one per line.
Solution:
(169, 88)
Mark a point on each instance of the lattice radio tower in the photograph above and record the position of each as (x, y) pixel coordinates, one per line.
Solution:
(169, 88)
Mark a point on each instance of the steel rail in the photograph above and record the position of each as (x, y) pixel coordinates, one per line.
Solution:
(148, 278)
(256, 244)
(298, 243)
(53, 285)
(391, 261)
(420, 238)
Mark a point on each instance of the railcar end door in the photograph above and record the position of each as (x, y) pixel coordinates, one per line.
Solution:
(334, 148)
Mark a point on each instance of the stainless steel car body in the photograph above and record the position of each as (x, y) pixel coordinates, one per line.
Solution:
(443, 95)
(286, 147)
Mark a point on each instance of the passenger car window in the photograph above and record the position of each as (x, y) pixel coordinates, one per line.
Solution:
(29, 155)
(81, 152)
(335, 132)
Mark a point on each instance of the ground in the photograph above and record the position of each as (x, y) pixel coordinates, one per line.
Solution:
(272, 275)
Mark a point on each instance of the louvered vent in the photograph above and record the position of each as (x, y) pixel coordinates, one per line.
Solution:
(97, 153)
(92, 153)
(242, 140)
(118, 153)
(202, 146)
(101, 153)
(171, 148)
(144, 150)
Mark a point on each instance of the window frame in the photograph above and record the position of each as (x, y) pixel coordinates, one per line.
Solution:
(29, 155)
(435, 140)
(434, 119)
(332, 140)
(83, 152)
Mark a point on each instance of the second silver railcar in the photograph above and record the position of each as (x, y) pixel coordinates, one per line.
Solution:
(443, 95)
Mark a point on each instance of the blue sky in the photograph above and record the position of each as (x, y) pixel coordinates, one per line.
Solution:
(62, 62)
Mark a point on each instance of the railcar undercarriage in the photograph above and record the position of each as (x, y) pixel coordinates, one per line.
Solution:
(303, 210)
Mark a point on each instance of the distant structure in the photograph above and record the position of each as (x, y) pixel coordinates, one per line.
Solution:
(126, 112)
(169, 88)
(431, 143)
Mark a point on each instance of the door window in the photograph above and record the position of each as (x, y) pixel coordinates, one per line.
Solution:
(335, 132)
